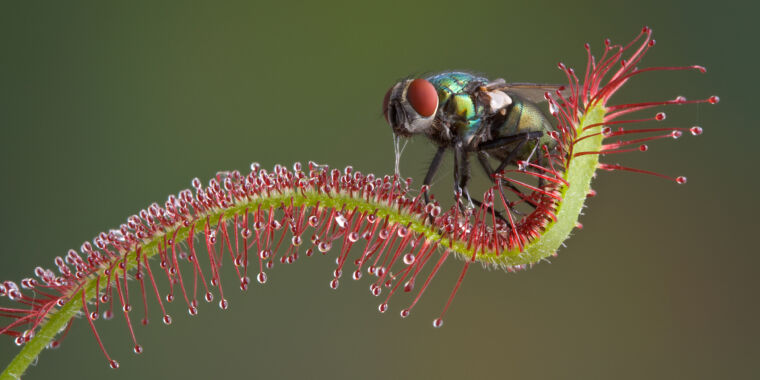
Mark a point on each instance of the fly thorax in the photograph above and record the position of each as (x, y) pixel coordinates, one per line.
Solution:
(462, 106)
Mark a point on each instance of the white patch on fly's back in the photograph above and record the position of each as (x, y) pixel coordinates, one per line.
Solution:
(499, 100)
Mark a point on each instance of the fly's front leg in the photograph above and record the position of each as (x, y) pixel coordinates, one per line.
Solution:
(431, 171)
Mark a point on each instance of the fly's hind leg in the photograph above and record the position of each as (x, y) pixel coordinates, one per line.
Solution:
(541, 161)
(462, 168)
(522, 139)
(483, 158)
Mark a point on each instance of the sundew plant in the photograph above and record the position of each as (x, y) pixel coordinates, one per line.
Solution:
(377, 228)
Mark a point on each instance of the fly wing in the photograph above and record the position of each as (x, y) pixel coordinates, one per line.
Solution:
(534, 92)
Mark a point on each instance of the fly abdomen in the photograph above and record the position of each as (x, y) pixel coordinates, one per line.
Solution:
(522, 120)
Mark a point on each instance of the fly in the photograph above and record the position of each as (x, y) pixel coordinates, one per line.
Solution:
(472, 115)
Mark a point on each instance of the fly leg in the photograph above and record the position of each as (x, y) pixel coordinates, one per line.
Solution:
(431, 171)
(522, 139)
(461, 174)
(540, 161)
(483, 158)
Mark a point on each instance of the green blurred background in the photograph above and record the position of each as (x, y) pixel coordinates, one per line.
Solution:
(106, 108)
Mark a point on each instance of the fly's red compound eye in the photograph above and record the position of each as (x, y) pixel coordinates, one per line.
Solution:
(423, 97)
(385, 104)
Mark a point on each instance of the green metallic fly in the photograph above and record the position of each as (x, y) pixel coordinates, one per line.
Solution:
(472, 114)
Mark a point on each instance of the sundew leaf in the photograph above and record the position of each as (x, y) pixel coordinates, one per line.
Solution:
(378, 226)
